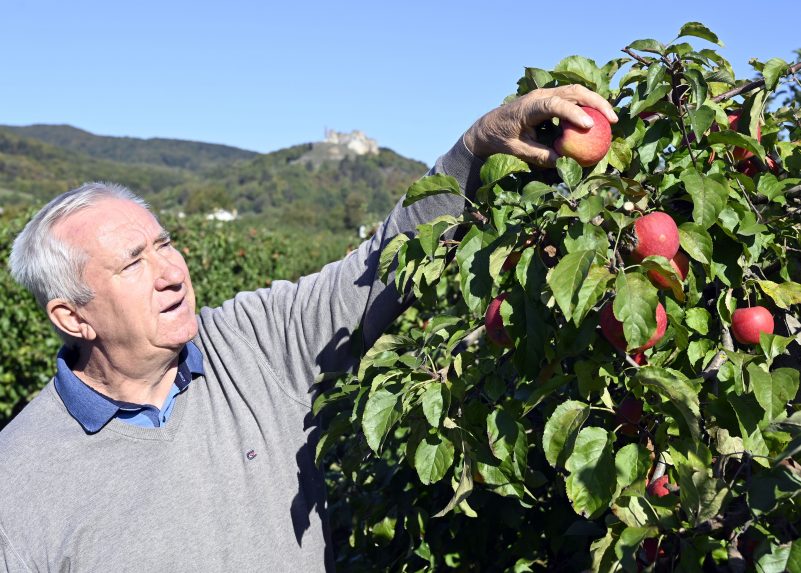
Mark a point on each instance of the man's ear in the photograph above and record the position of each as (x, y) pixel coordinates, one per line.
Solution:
(65, 316)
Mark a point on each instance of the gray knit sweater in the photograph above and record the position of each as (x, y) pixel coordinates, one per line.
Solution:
(229, 482)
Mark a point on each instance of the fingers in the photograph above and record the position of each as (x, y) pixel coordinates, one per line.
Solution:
(530, 151)
(563, 102)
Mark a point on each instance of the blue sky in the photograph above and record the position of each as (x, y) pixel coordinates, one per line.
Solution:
(265, 75)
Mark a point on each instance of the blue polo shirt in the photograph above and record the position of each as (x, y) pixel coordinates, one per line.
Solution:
(94, 410)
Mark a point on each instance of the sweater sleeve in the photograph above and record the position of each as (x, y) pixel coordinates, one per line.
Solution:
(305, 328)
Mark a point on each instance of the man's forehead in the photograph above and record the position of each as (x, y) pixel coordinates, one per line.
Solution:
(115, 220)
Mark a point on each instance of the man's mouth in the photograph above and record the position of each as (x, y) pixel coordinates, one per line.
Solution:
(174, 306)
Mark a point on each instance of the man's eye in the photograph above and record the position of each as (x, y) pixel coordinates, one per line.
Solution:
(132, 265)
(166, 244)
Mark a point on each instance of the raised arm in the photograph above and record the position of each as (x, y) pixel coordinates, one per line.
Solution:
(306, 328)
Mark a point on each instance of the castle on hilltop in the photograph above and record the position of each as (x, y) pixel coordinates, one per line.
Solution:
(337, 146)
(356, 141)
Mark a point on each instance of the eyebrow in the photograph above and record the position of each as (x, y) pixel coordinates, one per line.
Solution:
(163, 237)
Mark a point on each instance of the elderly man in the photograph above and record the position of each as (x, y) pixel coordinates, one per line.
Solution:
(170, 441)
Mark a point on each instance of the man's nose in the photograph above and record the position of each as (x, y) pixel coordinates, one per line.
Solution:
(170, 275)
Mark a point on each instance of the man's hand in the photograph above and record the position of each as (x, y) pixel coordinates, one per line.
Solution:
(510, 128)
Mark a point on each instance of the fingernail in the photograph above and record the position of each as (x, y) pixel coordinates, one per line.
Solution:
(588, 122)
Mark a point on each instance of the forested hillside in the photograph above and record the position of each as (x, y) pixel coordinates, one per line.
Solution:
(297, 187)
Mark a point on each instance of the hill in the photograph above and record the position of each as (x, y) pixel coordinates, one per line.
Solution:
(192, 155)
(312, 185)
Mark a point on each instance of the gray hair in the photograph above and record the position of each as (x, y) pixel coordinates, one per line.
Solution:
(47, 266)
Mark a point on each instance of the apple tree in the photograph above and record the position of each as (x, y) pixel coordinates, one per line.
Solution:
(601, 371)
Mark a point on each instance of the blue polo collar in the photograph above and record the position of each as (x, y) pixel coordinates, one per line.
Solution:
(92, 409)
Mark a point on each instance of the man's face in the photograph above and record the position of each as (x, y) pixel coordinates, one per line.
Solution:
(143, 301)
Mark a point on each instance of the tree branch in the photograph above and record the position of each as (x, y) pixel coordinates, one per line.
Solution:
(747, 87)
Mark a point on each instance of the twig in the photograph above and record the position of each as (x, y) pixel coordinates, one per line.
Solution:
(751, 85)
(637, 57)
(790, 194)
(711, 371)
(720, 97)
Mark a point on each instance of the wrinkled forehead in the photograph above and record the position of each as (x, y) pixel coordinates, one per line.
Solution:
(109, 223)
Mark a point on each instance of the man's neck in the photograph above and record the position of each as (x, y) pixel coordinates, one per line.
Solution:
(137, 382)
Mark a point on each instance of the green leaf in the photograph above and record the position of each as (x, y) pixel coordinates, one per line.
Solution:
(781, 558)
(663, 267)
(473, 261)
(769, 488)
(772, 188)
(567, 278)
(709, 196)
(629, 543)
(774, 390)
(702, 496)
(380, 414)
(569, 170)
(388, 255)
(578, 69)
(593, 477)
(534, 191)
(698, 85)
(620, 154)
(698, 319)
(696, 242)
(509, 445)
(737, 139)
(632, 463)
(783, 294)
(698, 30)
(773, 345)
(656, 76)
(464, 489)
(433, 457)
(644, 100)
(431, 185)
(592, 289)
(534, 78)
(635, 306)
(701, 119)
(561, 430)
(648, 45)
(675, 387)
(429, 233)
(435, 401)
(773, 70)
(499, 166)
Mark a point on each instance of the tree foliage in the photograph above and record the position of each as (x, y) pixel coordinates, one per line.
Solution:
(446, 451)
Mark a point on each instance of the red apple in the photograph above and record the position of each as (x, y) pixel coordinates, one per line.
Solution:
(639, 358)
(651, 550)
(739, 152)
(751, 166)
(586, 146)
(612, 328)
(748, 323)
(680, 264)
(656, 234)
(629, 414)
(513, 257)
(494, 323)
(658, 487)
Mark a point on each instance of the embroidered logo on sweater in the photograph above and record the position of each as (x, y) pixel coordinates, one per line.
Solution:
(251, 454)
